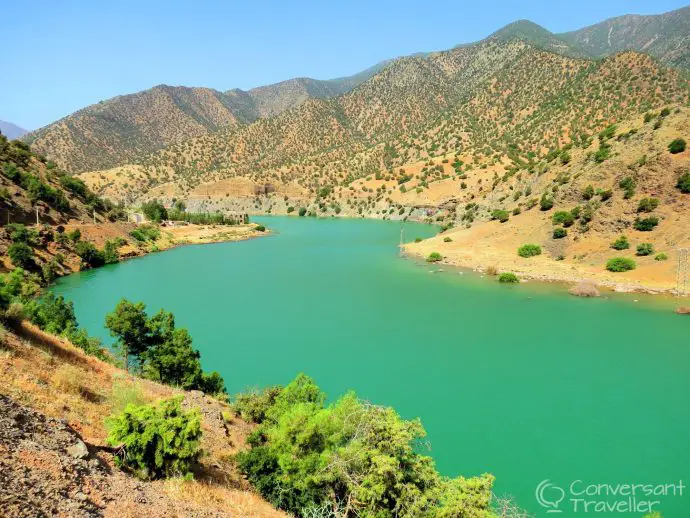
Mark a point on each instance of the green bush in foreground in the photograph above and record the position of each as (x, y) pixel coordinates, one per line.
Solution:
(529, 250)
(645, 249)
(508, 278)
(621, 243)
(21, 255)
(159, 440)
(434, 257)
(620, 264)
(308, 456)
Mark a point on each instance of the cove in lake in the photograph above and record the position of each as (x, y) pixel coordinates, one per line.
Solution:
(525, 382)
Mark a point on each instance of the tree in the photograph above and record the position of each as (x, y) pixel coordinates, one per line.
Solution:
(90, 255)
(529, 250)
(546, 202)
(154, 211)
(620, 264)
(129, 324)
(159, 440)
(621, 243)
(684, 183)
(21, 255)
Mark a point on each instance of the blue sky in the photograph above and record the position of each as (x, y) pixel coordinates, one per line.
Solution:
(59, 56)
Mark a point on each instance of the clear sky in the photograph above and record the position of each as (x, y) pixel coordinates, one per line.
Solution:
(59, 56)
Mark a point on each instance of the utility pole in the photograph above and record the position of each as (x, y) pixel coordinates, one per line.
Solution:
(682, 271)
(402, 240)
(37, 222)
(94, 216)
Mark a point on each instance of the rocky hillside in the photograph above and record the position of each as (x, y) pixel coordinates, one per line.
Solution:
(664, 36)
(127, 129)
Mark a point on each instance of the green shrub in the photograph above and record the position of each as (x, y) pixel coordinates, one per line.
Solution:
(302, 211)
(253, 405)
(646, 224)
(159, 440)
(447, 239)
(90, 255)
(620, 264)
(628, 186)
(605, 194)
(684, 183)
(645, 249)
(546, 202)
(260, 228)
(559, 233)
(529, 250)
(154, 211)
(500, 215)
(563, 218)
(508, 278)
(434, 257)
(290, 210)
(621, 243)
(145, 233)
(661, 257)
(588, 192)
(677, 146)
(647, 205)
(21, 255)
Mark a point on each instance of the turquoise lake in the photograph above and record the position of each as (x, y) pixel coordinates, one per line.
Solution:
(525, 382)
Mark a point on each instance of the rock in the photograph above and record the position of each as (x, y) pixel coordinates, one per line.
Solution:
(584, 289)
(683, 310)
(78, 450)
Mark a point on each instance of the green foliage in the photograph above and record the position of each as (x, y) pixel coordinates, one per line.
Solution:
(145, 233)
(160, 440)
(621, 243)
(434, 257)
(200, 218)
(110, 253)
(645, 249)
(559, 233)
(447, 239)
(529, 250)
(19, 233)
(163, 352)
(260, 228)
(21, 255)
(508, 278)
(684, 183)
(501, 215)
(253, 405)
(588, 192)
(309, 456)
(646, 224)
(620, 264)
(546, 202)
(564, 218)
(302, 212)
(677, 146)
(154, 211)
(628, 186)
(661, 257)
(89, 254)
(647, 205)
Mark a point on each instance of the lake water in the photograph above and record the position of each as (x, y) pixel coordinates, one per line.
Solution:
(525, 382)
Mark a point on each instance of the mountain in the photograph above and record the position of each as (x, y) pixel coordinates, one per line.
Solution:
(538, 36)
(11, 131)
(118, 130)
(664, 36)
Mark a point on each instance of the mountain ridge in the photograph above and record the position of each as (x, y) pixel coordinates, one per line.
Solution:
(11, 130)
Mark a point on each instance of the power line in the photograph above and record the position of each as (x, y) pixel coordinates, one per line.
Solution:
(682, 271)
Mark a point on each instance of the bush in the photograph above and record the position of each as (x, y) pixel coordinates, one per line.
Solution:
(302, 211)
(434, 257)
(646, 224)
(529, 250)
(684, 183)
(500, 215)
(447, 239)
(647, 205)
(21, 255)
(677, 146)
(253, 405)
(145, 233)
(588, 192)
(159, 440)
(661, 257)
(559, 233)
(621, 243)
(90, 255)
(508, 278)
(154, 211)
(645, 249)
(620, 264)
(563, 218)
(260, 228)
(628, 186)
(546, 202)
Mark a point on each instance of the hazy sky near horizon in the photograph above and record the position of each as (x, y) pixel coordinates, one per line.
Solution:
(58, 57)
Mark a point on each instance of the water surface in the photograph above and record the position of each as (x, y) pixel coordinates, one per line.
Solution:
(525, 382)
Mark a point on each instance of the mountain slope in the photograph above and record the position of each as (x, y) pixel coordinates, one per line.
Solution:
(664, 36)
(11, 131)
